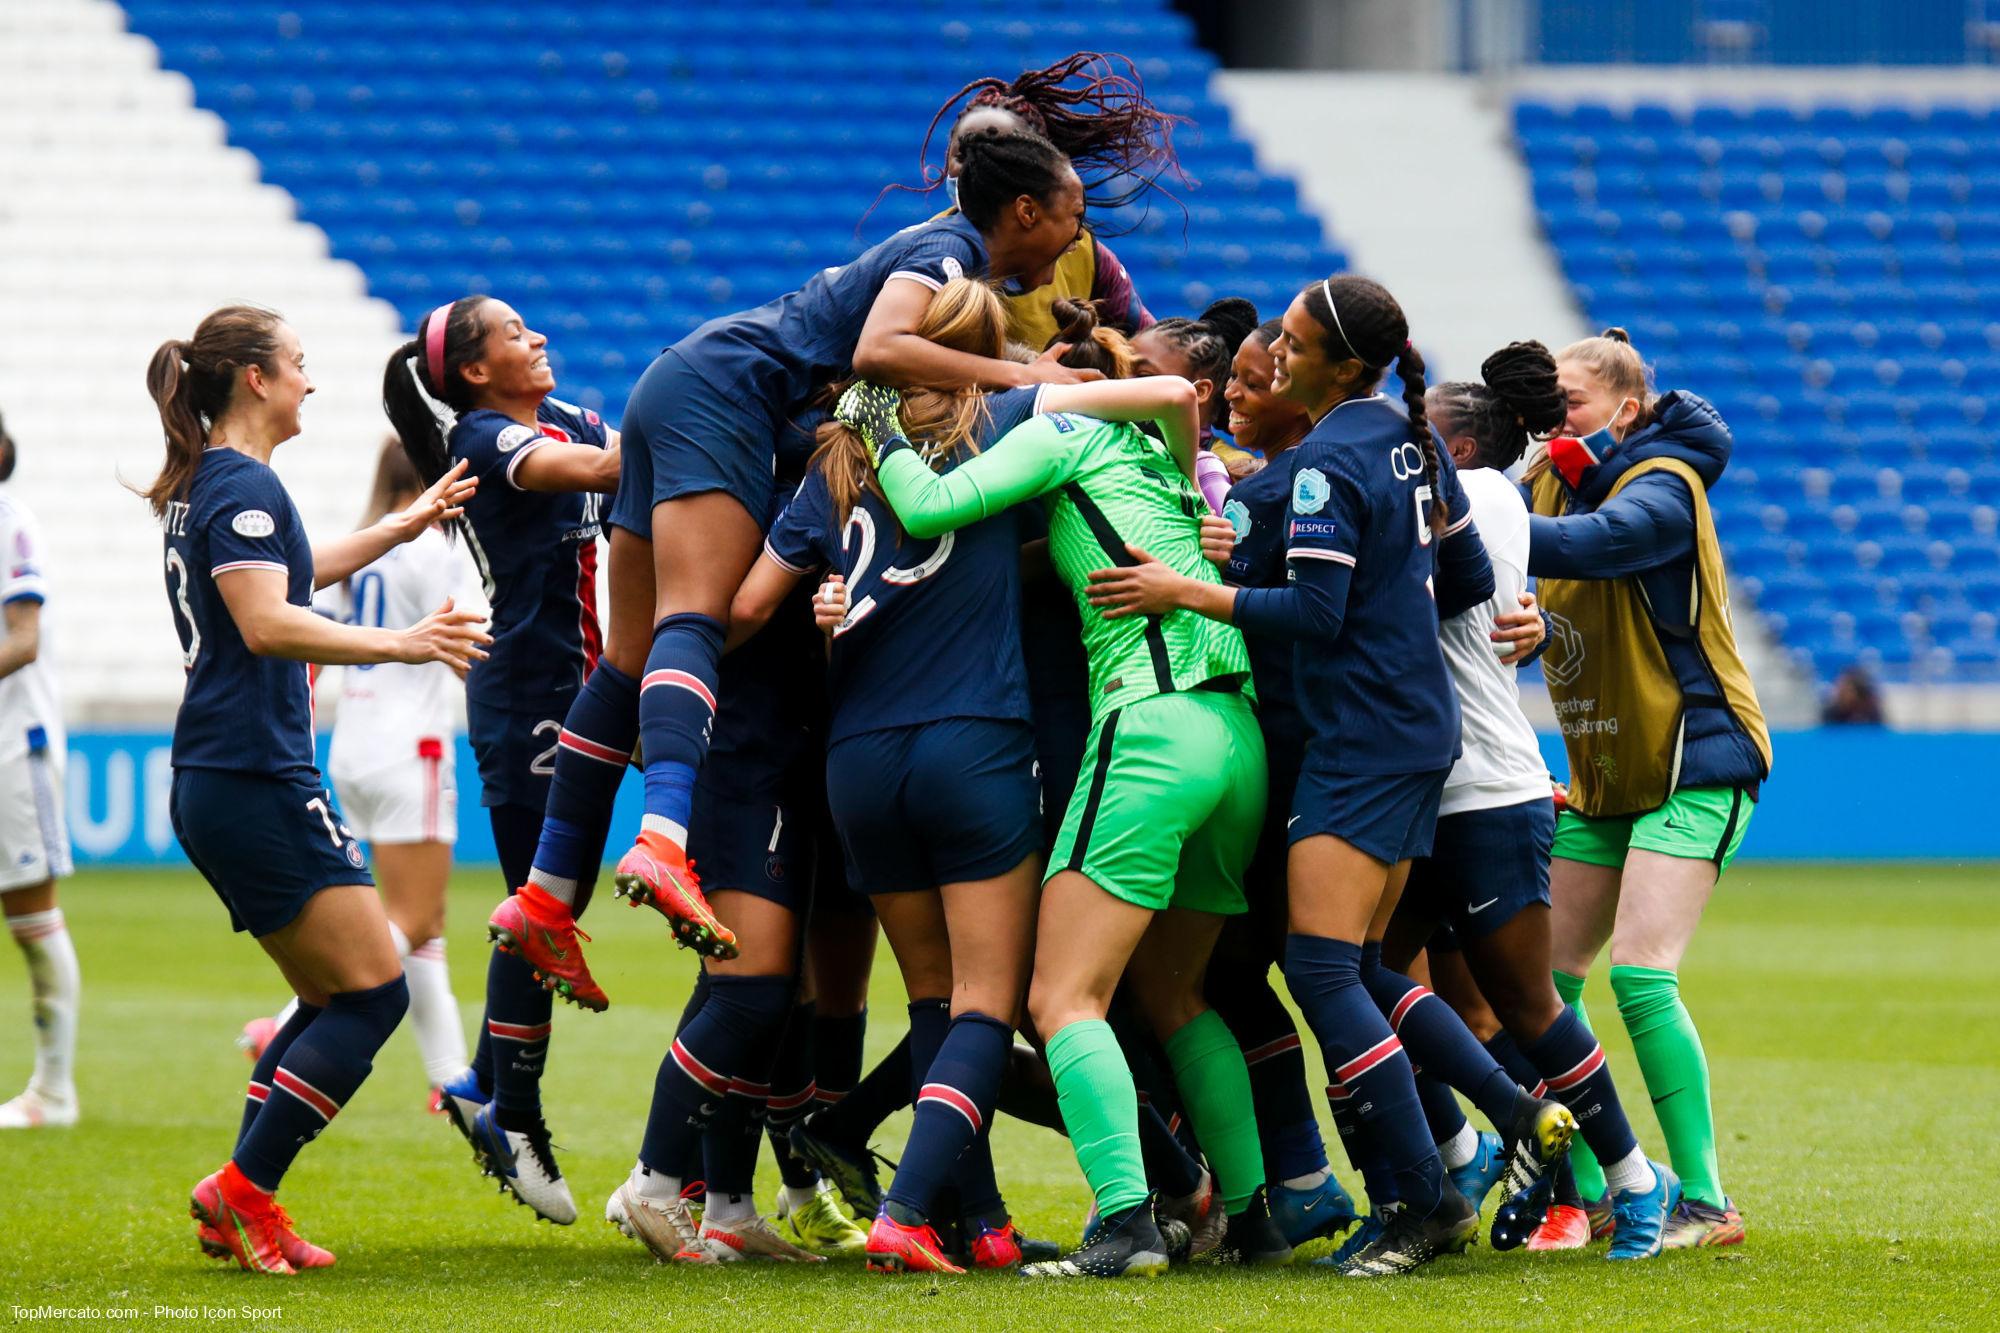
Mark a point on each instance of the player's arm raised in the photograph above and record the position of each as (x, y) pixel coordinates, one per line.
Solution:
(1168, 400)
(274, 627)
(569, 467)
(891, 352)
(445, 500)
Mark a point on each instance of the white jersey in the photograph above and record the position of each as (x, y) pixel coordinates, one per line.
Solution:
(387, 710)
(28, 696)
(1501, 764)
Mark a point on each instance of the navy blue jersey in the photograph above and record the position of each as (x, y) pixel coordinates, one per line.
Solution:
(1259, 508)
(536, 552)
(1377, 698)
(933, 627)
(240, 711)
(781, 351)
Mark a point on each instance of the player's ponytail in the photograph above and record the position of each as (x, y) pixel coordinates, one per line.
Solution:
(1092, 107)
(424, 388)
(967, 316)
(191, 380)
(1363, 322)
(7, 453)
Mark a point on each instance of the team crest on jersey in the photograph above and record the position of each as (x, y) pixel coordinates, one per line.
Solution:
(354, 855)
(513, 437)
(1238, 515)
(952, 268)
(254, 523)
(1309, 491)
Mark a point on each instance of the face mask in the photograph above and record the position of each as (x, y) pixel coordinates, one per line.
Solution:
(1572, 457)
(951, 190)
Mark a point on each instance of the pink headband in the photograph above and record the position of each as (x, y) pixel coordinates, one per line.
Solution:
(434, 344)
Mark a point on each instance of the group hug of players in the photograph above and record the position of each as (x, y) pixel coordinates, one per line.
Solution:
(939, 606)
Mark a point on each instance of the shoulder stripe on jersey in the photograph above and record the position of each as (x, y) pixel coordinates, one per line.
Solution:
(224, 568)
(1114, 550)
(781, 562)
(925, 278)
(526, 448)
(1040, 389)
(1308, 553)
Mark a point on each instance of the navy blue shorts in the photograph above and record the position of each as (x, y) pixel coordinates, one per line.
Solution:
(764, 844)
(938, 803)
(264, 844)
(1485, 866)
(1390, 816)
(682, 436)
(515, 749)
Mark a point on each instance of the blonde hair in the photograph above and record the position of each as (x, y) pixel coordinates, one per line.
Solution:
(1615, 363)
(966, 315)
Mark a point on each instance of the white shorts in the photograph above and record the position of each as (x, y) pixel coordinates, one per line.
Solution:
(414, 801)
(34, 838)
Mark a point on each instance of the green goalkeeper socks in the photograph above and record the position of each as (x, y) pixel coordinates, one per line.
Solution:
(1215, 1087)
(1676, 1070)
(1583, 1164)
(1100, 1108)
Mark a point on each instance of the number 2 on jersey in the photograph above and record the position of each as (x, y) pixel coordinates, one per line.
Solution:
(861, 521)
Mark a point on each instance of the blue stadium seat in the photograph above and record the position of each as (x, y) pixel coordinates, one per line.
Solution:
(1832, 283)
(625, 172)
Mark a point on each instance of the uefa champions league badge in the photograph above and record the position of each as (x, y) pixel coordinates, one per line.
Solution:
(513, 437)
(1309, 491)
(253, 523)
(1238, 515)
(952, 268)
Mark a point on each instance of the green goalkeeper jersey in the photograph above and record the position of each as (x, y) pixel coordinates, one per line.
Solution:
(1105, 483)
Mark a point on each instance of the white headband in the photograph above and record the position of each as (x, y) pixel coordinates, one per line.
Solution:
(1326, 290)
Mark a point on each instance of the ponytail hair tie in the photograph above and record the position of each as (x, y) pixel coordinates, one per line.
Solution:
(434, 345)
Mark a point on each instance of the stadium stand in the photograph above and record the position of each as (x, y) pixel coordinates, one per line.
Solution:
(624, 173)
(1830, 278)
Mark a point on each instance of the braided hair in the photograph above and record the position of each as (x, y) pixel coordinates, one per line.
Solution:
(1520, 400)
(999, 166)
(1209, 342)
(1364, 323)
(1093, 108)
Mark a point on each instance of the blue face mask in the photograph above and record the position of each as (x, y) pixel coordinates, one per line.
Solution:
(951, 190)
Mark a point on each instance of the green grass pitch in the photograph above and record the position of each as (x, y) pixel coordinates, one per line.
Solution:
(1852, 1016)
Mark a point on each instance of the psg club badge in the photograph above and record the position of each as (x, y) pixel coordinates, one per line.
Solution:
(354, 855)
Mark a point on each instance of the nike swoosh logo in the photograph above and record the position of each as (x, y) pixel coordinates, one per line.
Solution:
(1309, 1207)
(1483, 906)
(1293, 820)
(1663, 1096)
(556, 950)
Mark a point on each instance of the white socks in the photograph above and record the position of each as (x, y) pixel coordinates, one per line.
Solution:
(434, 1016)
(674, 833)
(654, 1185)
(796, 1199)
(558, 888)
(1310, 1181)
(1634, 1173)
(1460, 1148)
(726, 1210)
(58, 993)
